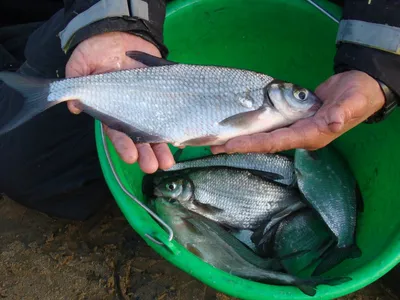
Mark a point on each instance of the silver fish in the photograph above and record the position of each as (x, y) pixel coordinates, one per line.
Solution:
(328, 185)
(232, 197)
(275, 167)
(172, 103)
(218, 248)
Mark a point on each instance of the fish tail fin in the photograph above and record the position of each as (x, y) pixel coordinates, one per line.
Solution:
(34, 91)
(309, 290)
(277, 262)
(332, 281)
(320, 252)
(336, 256)
(309, 286)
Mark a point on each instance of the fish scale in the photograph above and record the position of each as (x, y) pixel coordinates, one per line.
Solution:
(151, 94)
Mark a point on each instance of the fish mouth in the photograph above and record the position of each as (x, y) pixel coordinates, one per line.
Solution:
(316, 106)
(318, 103)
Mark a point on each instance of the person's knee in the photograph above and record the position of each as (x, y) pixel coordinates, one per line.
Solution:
(77, 204)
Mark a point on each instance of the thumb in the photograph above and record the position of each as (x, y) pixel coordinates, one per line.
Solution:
(335, 119)
(76, 66)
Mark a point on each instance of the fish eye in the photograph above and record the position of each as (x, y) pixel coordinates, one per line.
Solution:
(300, 94)
(171, 186)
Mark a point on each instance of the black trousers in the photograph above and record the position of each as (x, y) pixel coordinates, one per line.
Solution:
(50, 163)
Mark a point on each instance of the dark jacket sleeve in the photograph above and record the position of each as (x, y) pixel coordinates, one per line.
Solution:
(86, 18)
(382, 65)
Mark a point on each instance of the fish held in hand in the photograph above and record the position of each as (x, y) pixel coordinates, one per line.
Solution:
(325, 180)
(208, 241)
(166, 102)
(233, 197)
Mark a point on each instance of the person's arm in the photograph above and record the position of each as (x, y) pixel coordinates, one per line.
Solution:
(369, 41)
(84, 19)
(98, 36)
(356, 92)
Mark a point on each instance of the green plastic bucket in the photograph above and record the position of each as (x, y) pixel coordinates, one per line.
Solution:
(294, 41)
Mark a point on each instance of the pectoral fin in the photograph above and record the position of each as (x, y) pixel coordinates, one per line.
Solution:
(281, 215)
(267, 175)
(192, 228)
(202, 141)
(207, 208)
(194, 250)
(242, 120)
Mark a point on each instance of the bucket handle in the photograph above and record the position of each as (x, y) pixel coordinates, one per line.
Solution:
(323, 10)
(160, 239)
(163, 241)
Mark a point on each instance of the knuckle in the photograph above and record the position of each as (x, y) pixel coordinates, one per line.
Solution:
(239, 145)
(263, 144)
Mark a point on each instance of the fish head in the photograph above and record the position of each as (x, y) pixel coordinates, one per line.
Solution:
(174, 188)
(292, 101)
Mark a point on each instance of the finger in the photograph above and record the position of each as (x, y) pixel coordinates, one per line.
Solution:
(164, 156)
(218, 149)
(304, 134)
(74, 107)
(351, 108)
(123, 145)
(335, 119)
(147, 159)
(324, 90)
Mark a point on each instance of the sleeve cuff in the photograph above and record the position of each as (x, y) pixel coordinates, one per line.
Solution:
(131, 25)
(380, 65)
(132, 16)
(374, 35)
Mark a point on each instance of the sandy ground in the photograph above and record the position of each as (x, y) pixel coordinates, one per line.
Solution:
(103, 258)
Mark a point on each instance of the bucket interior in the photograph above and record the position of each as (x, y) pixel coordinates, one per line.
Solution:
(292, 41)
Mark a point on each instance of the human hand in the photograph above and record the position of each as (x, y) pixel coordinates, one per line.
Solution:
(349, 99)
(104, 53)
